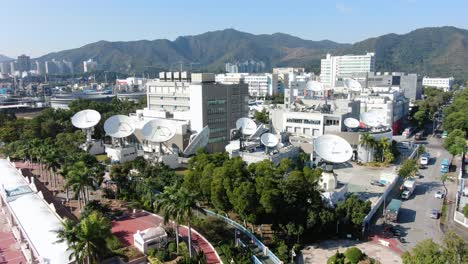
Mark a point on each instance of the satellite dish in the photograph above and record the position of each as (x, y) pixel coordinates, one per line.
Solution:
(119, 126)
(380, 117)
(246, 125)
(260, 130)
(86, 119)
(158, 131)
(351, 122)
(269, 140)
(315, 86)
(352, 85)
(333, 148)
(197, 141)
(371, 119)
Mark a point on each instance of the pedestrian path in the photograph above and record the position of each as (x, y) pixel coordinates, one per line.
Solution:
(9, 248)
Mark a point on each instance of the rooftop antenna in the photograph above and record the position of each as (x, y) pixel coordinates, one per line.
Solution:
(352, 85)
(246, 127)
(269, 140)
(158, 131)
(370, 119)
(332, 149)
(86, 120)
(119, 127)
(197, 141)
(351, 123)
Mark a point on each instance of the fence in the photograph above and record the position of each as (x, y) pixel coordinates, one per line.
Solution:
(253, 257)
(244, 230)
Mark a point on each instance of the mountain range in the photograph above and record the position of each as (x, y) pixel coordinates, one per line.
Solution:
(4, 58)
(438, 51)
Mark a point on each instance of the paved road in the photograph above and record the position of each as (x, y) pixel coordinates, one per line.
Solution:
(414, 216)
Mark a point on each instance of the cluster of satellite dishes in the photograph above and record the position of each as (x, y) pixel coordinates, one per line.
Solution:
(247, 136)
(87, 120)
(372, 120)
(155, 132)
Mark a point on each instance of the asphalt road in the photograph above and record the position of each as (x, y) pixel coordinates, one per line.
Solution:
(414, 218)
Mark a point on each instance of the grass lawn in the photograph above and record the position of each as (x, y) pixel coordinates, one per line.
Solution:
(102, 157)
(182, 171)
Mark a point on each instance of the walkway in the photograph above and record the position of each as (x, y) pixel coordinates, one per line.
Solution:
(9, 249)
(126, 227)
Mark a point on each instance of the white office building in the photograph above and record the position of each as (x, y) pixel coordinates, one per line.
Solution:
(334, 68)
(260, 84)
(441, 83)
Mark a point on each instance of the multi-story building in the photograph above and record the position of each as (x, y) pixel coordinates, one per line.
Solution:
(441, 83)
(89, 65)
(260, 85)
(23, 63)
(249, 66)
(314, 118)
(202, 101)
(5, 68)
(334, 68)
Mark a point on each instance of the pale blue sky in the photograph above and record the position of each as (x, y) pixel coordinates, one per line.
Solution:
(36, 27)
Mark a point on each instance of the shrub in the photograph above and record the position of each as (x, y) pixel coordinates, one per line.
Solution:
(152, 252)
(338, 258)
(172, 247)
(113, 243)
(465, 210)
(353, 255)
(183, 249)
(162, 255)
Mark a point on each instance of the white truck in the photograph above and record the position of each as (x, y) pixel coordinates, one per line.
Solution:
(408, 188)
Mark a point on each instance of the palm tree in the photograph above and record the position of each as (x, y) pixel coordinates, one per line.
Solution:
(87, 239)
(179, 204)
(384, 144)
(166, 203)
(367, 141)
(79, 177)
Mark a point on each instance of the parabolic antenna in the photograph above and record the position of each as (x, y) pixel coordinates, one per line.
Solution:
(269, 140)
(260, 130)
(352, 85)
(315, 86)
(158, 131)
(351, 122)
(197, 141)
(333, 148)
(370, 119)
(246, 125)
(119, 126)
(86, 118)
(380, 117)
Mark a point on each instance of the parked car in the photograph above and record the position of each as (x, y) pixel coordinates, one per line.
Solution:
(435, 214)
(377, 183)
(439, 194)
(445, 134)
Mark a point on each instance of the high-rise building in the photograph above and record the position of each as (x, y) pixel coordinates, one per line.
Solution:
(5, 67)
(202, 101)
(260, 84)
(89, 65)
(441, 83)
(334, 68)
(249, 66)
(24, 63)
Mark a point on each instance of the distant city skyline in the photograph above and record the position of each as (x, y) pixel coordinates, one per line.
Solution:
(36, 28)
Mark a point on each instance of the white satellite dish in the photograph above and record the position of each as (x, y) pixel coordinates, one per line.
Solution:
(380, 117)
(197, 141)
(269, 140)
(86, 118)
(333, 148)
(352, 85)
(158, 131)
(315, 86)
(351, 122)
(371, 119)
(119, 126)
(260, 130)
(246, 125)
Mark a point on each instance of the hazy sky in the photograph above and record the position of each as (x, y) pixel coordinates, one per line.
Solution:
(36, 27)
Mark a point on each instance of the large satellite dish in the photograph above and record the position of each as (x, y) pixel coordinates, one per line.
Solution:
(333, 148)
(269, 140)
(352, 85)
(260, 130)
(86, 119)
(380, 117)
(315, 86)
(246, 125)
(119, 126)
(158, 131)
(371, 119)
(197, 141)
(351, 122)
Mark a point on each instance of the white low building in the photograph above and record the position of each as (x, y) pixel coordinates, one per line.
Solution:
(441, 83)
(153, 237)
